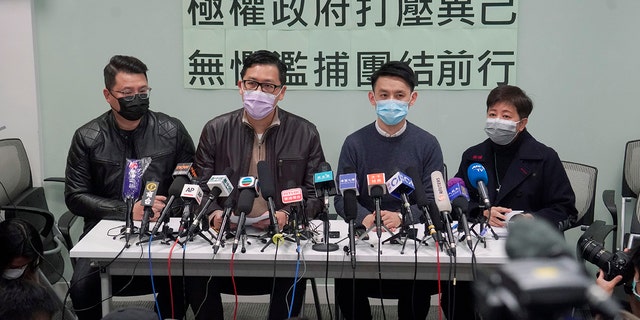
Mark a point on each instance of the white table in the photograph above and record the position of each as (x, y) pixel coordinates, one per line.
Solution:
(100, 247)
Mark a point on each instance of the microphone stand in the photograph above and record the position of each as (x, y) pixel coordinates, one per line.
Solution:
(378, 225)
(129, 228)
(273, 225)
(405, 231)
(326, 246)
(221, 239)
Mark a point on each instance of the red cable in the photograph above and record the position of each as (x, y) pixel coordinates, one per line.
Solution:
(439, 284)
(170, 284)
(235, 291)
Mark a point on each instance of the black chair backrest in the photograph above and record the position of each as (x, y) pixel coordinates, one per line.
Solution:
(631, 170)
(15, 171)
(583, 179)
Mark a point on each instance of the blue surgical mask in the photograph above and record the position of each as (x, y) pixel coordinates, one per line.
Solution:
(633, 288)
(391, 111)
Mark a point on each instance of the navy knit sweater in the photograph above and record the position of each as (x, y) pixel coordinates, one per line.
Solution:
(367, 151)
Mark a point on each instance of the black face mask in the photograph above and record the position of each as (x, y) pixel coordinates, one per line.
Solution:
(135, 109)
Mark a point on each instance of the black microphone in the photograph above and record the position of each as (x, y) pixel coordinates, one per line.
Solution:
(245, 205)
(324, 183)
(325, 186)
(148, 198)
(190, 192)
(460, 206)
(423, 203)
(268, 190)
(174, 191)
(229, 204)
(444, 207)
(348, 185)
(377, 188)
(219, 186)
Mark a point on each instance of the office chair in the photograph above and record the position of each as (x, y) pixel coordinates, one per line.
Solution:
(630, 181)
(583, 180)
(20, 199)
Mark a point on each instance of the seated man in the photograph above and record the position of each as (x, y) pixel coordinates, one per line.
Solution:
(368, 151)
(261, 131)
(96, 166)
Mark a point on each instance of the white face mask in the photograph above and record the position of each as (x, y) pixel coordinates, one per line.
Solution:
(12, 274)
(501, 131)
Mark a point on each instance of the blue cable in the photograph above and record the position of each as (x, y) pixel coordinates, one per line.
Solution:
(153, 285)
(295, 282)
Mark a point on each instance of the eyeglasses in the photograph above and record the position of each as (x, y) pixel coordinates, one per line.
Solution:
(130, 95)
(266, 87)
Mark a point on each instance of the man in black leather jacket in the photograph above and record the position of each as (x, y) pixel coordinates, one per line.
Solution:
(261, 130)
(96, 165)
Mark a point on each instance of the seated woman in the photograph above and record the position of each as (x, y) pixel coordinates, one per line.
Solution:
(523, 174)
(22, 294)
(20, 250)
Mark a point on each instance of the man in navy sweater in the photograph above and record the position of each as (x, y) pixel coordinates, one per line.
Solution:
(388, 145)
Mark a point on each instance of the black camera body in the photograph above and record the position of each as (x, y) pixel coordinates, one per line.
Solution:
(612, 264)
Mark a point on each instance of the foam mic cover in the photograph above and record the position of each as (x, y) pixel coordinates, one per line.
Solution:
(175, 189)
(531, 238)
(476, 172)
(456, 188)
(267, 183)
(350, 205)
(419, 193)
(245, 201)
(460, 206)
(434, 213)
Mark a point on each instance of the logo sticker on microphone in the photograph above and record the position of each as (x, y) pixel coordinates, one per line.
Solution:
(291, 195)
(247, 182)
(322, 176)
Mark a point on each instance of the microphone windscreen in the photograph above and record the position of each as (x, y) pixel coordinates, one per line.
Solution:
(350, 205)
(245, 201)
(455, 180)
(421, 196)
(434, 213)
(324, 166)
(176, 186)
(531, 238)
(267, 183)
(228, 171)
(476, 172)
(462, 203)
(349, 170)
(230, 202)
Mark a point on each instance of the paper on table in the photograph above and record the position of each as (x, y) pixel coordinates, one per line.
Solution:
(504, 231)
(249, 221)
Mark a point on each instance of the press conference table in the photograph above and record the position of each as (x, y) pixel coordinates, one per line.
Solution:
(100, 246)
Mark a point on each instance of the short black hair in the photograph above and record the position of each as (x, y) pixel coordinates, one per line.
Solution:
(25, 300)
(125, 64)
(512, 95)
(18, 238)
(265, 57)
(395, 69)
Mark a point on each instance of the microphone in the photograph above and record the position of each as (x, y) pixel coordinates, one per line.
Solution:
(324, 183)
(268, 188)
(423, 203)
(190, 192)
(377, 188)
(219, 186)
(444, 207)
(325, 186)
(289, 196)
(478, 178)
(174, 191)
(185, 169)
(131, 184)
(351, 211)
(400, 186)
(348, 185)
(148, 198)
(459, 196)
(228, 207)
(247, 187)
